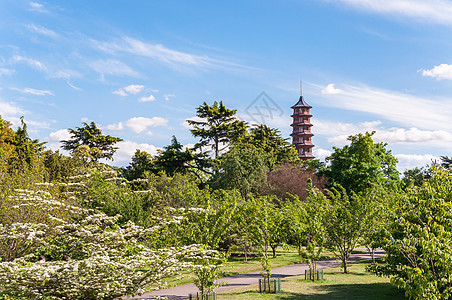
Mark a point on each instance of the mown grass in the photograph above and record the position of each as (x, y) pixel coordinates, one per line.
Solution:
(358, 284)
(236, 264)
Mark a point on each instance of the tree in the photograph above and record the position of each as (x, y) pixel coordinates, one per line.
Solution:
(418, 252)
(271, 142)
(289, 179)
(414, 176)
(315, 212)
(218, 125)
(173, 160)
(242, 168)
(99, 145)
(446, 162)
(142, 162)
(347, 222)
(362, 164)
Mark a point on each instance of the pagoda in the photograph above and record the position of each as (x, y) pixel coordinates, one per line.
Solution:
(301, 128)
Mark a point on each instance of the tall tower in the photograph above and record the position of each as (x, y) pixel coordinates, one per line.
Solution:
(301, 128)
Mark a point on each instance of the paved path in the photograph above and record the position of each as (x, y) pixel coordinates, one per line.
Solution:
(181, 291)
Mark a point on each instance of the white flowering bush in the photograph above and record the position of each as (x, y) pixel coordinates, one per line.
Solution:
(207, 268)
(93, 259)
(64, 251)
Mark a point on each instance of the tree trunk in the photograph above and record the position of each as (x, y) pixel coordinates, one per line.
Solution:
(372, 253)
(274, 251)
(246, 253)
(345, 266)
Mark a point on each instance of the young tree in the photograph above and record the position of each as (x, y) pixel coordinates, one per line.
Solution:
(346, 223)
(315, 213)
(418, 251)
(99, 145)
(218, 125)
(362, 164)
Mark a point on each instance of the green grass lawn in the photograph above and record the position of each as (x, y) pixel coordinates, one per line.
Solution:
(359, 284)
(236, 264)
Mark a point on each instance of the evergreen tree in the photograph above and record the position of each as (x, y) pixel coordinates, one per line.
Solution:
(99, 145)
(218, 125)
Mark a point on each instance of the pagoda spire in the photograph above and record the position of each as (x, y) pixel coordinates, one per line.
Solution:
(301, 127)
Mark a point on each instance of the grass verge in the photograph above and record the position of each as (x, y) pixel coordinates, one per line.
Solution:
(358, 284)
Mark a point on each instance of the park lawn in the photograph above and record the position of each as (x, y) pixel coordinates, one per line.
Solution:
(358, 284)
(237, 265)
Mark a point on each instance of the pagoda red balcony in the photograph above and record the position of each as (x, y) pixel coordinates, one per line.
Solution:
(301, 115)
(301, 124)
(306, 156)
(302, 144)
(302, 133)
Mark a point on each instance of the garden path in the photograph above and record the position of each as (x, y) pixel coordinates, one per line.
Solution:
(181, 291)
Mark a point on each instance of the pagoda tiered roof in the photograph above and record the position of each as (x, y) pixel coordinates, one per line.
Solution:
(301, 103)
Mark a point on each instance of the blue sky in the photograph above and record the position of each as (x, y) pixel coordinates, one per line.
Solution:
(139, 69)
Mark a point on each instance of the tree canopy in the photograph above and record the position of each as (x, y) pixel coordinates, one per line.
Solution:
(362, 164)
(218, 125)
(99, 145)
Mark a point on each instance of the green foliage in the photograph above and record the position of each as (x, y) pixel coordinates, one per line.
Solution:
(141, 164)
(243, 168)
(268, 139)
(414, 177)
(207, 268)
(210, 224)
(346, 223)
(59, 168)
(362, 165)
(96, 144)
(314, 215)
(446, 162)
(218, 125)
(174, 160)
(419, 256)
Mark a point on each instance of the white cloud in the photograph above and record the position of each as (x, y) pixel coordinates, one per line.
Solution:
(10, 109)
(29, 61)
(42, 30)
(54, 138)
(410, 161)
(338, 133)
(405, 109)
(140, 124)
(34, 91)
(112, 67)
(431, 11)
(4, 71)
(442, 71)
(132, 89)
(168, 96)
(331, 90)
(118, 126)
(38, 7)
(146, 99)
(155, 51)
(320, 153)
(59, 135)
(127, 150)
(158, 52)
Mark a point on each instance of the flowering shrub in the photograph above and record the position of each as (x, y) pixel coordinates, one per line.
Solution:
(69, 252)
(93, 259)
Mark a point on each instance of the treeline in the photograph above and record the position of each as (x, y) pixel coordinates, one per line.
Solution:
(240, 189)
